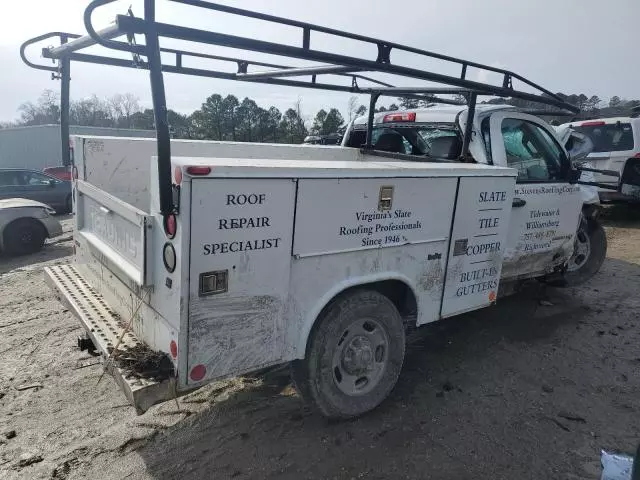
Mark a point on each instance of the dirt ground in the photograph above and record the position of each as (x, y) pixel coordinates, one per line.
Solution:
(532, 388)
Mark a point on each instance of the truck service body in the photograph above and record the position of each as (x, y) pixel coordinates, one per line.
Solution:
(262, 246)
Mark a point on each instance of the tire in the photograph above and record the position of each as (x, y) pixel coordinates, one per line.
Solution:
(589, 252)
(24, 236)
(354, 355)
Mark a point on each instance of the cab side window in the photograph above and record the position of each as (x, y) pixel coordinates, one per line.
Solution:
(533, 152)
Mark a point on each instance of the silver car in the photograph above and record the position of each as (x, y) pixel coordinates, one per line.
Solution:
(25, 224)
(38, 186)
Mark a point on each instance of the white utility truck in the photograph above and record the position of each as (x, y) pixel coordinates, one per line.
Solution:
(202, 260)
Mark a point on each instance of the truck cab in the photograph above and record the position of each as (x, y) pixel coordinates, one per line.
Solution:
(547, 208)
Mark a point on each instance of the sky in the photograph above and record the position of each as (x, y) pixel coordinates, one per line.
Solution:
(572, 46)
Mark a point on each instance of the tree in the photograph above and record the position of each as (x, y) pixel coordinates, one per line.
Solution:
(248, 119)
(229, 113)
(263, 126)
(208, 120)
(273, 122)
(353, 109)
(301, 120)
(91, 112)
(226, 118)
(122, 107)
(592, 103)
(292, 125)
(181, 126)
(325, 122)
(333, 122)
(143, 120)
(408, 103)
(352, 106)
(44, 111)
(318, 122)
(581, 101)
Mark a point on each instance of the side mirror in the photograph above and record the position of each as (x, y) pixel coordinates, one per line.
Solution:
(52, 183)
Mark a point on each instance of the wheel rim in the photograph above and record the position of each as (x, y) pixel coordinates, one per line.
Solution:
(26, 236)
(360, 357)
(581, 250)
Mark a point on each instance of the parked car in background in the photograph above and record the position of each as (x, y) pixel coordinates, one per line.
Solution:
(25, 224)
(330, 139)
(38, 186)
(615, 141)
(61, 172)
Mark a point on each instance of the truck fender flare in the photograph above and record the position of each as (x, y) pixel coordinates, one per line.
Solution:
(309, 320)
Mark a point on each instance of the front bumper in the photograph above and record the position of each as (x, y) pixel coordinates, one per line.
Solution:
(104, 328)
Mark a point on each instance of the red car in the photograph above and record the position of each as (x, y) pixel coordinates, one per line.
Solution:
(61, 173)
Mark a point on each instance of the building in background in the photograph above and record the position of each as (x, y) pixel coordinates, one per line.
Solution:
(38, 147)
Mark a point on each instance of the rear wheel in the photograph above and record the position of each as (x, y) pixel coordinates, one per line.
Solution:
(24, 236)
(354, 355)
(589, 252)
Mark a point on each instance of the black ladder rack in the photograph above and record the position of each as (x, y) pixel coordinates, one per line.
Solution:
(121, 35)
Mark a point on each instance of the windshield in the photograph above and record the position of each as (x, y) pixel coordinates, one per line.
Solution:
(615, 137)
(436, 141)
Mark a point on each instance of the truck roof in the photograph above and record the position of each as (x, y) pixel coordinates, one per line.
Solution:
(365, 166)
(437, 114)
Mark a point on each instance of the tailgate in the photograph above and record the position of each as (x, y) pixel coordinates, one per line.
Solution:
(117, 233)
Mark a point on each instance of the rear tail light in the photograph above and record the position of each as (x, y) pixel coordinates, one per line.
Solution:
(177, 173)
(399, 117)
(597, 123)
(170, 225)
(193, 170)
(637, 155)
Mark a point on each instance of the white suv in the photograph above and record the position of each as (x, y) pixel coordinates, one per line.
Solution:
(615, 141)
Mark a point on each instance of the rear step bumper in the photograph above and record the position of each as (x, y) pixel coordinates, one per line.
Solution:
(104, 328)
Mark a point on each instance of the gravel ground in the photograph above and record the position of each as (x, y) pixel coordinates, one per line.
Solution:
(532, 388)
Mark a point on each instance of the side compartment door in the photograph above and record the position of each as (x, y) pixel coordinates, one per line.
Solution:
(241, 232)
(477, 245)
(546, 208)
